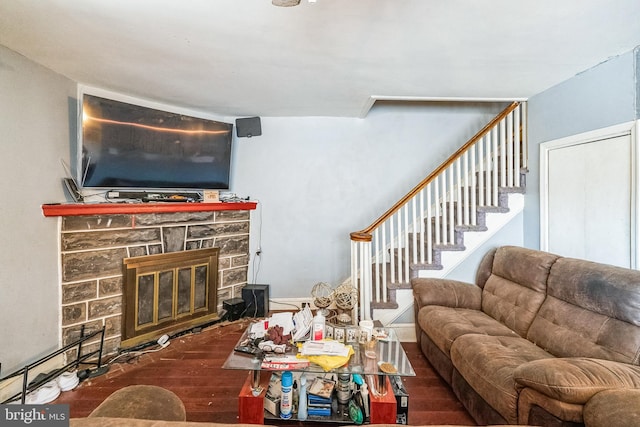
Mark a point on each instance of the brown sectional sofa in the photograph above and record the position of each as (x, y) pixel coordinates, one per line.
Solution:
(535, 339)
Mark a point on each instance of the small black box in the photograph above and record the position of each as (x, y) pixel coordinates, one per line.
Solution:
(402, 399)
(235, 308)
(256, 299)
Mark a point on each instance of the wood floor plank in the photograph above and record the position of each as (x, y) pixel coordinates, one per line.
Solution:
(191, 367)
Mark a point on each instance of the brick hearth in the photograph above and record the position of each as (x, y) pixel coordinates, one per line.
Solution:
(93, 247)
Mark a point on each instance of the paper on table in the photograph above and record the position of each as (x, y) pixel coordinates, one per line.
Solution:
(258, 329)
(284, 319)
(302, 321)
(327, 347)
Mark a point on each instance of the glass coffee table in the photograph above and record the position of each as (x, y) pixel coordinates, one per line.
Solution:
(382, 363)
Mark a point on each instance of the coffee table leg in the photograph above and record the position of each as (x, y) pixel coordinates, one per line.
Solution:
(251, 400)
(255, 381)
(382, 385)
(383, 406)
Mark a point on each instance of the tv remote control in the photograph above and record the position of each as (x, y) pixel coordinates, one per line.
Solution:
(249, 350)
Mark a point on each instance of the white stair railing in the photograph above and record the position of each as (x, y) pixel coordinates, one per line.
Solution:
(386, 254)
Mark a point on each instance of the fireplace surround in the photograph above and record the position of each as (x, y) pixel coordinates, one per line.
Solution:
(96, 238)
(166, 293)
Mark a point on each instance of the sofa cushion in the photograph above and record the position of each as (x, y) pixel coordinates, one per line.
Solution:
(487, 363)
(614, 408)
(445, 324)
(592, 310)
(576, 379)
(517, 286)
(445, 292)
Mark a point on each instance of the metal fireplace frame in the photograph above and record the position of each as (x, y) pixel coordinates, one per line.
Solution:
(150, 267)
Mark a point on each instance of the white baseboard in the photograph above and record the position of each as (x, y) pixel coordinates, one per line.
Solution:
(292, 304)
(13, 385)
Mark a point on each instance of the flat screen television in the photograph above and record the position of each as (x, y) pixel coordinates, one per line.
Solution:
(127, 146)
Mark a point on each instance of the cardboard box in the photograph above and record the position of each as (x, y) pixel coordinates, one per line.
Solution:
(402, 399)
(272, 396)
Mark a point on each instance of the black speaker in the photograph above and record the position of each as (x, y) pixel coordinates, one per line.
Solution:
(235, 307)
(248, 127)
(256, 299)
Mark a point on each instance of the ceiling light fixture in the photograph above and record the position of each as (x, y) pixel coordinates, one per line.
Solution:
(285, 3)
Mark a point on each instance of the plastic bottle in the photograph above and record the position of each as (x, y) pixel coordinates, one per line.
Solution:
(302, 399)
(364, 392)
(343, 388)
(286, 395)
(317, 328)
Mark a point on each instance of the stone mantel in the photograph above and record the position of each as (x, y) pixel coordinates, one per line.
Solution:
(75, 209)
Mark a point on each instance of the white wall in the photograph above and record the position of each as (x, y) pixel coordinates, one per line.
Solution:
(318, 179)
(34, 129)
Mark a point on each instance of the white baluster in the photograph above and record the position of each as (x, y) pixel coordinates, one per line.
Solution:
(466, 186)
(458, 185)
(436, 215)
(516, 144)
(422, 226)
(494, 183)
(451, 206)
(481, 177)
(472, 187)
(502, 136)
(510, 150)
(428, 226)
(385, 253)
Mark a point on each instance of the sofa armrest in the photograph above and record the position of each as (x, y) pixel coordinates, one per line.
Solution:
(575, 379)
(444, 292)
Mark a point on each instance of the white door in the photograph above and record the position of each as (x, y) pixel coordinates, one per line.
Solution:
(588, 196)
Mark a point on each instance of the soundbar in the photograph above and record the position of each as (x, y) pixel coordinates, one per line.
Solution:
(154, 196)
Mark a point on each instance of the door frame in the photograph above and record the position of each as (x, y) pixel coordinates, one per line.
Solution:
(631, 129)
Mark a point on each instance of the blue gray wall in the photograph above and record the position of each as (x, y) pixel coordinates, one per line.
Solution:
(605, 95)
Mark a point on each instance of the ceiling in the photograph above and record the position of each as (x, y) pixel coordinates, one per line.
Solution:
(328, 58)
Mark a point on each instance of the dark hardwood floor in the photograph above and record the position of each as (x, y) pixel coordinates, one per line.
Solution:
(191, 367)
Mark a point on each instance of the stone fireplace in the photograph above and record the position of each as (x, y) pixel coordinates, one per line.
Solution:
(94, 245)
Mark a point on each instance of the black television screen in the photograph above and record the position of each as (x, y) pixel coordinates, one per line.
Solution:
(136, 147)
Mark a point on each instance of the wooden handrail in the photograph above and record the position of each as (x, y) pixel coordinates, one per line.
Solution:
(365, 234)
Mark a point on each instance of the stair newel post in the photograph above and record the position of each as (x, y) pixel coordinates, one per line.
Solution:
(523, 136)
(361, 266)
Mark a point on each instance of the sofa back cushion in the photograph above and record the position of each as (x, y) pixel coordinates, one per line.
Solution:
(592, 310)
(516, 287)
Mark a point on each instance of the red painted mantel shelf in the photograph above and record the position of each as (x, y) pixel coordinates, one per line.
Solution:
(75, 209)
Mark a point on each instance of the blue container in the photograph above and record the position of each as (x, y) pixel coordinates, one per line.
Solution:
(286, 396)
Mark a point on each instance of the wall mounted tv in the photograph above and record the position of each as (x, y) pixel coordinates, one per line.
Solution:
(127, 146)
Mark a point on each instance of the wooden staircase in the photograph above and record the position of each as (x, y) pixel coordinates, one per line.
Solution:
(451, 211)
